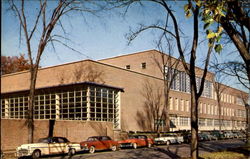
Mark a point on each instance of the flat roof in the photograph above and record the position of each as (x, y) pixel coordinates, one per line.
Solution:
(69, 84)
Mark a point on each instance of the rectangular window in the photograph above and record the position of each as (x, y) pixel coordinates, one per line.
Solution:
(143, 65)
(187, 106)
(208, 109)
(205, 108)
(183, 121)
(212, 109)
(176, 104)
(201, 108)
(209, 122)
(202, 122)
(182, 105)
(171, 103)
(173, 121)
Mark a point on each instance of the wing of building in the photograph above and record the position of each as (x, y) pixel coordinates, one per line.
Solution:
(110, 97)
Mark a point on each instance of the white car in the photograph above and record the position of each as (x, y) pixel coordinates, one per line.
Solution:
(48, 146)
(169, 139)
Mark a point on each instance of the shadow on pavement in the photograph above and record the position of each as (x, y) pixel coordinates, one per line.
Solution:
(171, 154)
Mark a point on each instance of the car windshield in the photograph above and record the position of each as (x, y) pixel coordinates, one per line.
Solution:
(92, 139)
(133, 137)
(44, 140)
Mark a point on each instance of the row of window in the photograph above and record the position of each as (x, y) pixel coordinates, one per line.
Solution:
(143, 66)
(184, 105)
(181, 82)
(86, 103)
(185, 121)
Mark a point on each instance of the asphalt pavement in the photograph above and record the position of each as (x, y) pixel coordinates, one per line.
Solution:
(157, 152)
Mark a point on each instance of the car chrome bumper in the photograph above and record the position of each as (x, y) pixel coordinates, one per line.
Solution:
(123, 145)
(22, 153)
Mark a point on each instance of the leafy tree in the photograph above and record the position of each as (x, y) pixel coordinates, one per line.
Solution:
(232, 16)
(11, 64)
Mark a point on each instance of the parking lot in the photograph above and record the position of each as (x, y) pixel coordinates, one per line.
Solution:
(162, 151)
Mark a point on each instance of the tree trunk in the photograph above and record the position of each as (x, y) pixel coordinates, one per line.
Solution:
(194, 124)
(33, 75)
(219, 105)
(248, 124)
(51, 128)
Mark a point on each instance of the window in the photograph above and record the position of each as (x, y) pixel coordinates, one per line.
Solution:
(208, 109)
(204, 108)
(216, 122)
(201, 108)
(66, 104)
(182, 105)
(202, 122)
(171, 103)
(187, 106)
(212, 109)
(173, 121)
(209, 122)
(176, 104)
(184, 121)
(143, 65)
(127, 67)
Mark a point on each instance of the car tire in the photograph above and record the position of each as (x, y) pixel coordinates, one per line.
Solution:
(135, 145)
(168, 143)
(114, 148)
(92, 149)
(72, 152)
(36, 154)
(149, 145)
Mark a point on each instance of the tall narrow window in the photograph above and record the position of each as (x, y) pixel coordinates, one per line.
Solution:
(176, 104)
(171, 103)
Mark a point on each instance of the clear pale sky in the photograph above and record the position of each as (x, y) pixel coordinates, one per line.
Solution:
(98, 37)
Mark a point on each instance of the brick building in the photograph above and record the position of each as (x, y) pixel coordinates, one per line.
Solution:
(109, 97)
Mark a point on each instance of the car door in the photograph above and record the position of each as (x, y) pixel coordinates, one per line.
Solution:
(142, 141)
(57, 145)
(107, 142)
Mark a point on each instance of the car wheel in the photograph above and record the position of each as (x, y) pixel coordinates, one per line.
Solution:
(168, 143)
(72, 152)
(36, 154)
(134, 145)
(149, 145)
(92, 149)
(114, 148)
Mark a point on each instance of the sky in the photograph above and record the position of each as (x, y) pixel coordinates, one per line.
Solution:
(98, 36)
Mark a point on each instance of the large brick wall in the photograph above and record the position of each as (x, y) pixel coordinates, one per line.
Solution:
(15, 132)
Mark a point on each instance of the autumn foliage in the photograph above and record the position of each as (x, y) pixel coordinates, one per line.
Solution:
(11, 64)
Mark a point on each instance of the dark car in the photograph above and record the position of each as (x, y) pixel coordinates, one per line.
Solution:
(187, 138)
(218, 134)
(99, 143)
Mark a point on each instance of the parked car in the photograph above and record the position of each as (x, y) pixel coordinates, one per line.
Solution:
(99, 143)
(48, 146)
(208, 136)
(136, 141)
(218, 134)
(169, 139)
(228, 134)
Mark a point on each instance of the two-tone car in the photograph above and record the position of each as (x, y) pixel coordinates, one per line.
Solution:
(169, 139)
(48, 146)
(136, 141)
(99, 143)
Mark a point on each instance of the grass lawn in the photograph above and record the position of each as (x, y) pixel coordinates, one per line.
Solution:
(223, 155)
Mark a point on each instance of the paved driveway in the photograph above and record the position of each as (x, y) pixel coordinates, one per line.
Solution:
(173, 151)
